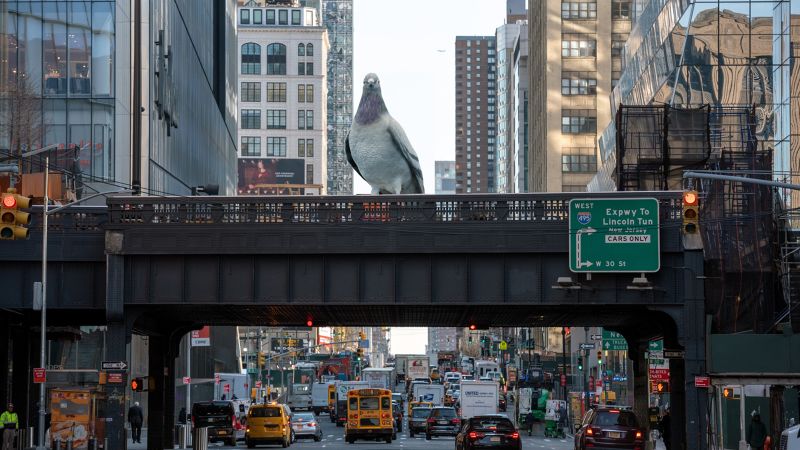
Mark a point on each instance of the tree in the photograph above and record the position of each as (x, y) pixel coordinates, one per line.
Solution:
(21, 125)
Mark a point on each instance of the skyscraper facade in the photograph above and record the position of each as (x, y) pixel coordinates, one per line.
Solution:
(576, 49)
(476, 113)
(445, 177)
(283, 101)
(337, 17)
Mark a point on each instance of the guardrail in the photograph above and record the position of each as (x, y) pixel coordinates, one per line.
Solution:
(125, 212)
(74, 219)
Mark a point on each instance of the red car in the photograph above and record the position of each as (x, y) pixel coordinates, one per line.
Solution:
(609, 428)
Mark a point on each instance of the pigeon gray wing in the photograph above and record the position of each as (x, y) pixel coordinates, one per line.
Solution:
(349, 156)
(404, 147)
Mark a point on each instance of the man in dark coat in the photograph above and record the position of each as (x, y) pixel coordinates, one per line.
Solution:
(665, 426)
(136, 418)
(756, 433)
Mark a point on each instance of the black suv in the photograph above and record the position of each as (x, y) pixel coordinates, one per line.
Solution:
(443, 421)
(219, 417)
(609, 427)
(417, 420)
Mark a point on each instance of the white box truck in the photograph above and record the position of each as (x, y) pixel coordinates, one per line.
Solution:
(478, 398)
(319, 396)
(379, 377)
(433, 393)
(339, 414)
(418, 368)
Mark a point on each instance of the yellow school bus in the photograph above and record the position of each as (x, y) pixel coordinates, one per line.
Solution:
(369, 415)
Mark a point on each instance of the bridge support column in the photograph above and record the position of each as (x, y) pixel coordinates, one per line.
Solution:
(156, 395)
(117, 341)
(690, 429)
(641, 388)
(169, 400)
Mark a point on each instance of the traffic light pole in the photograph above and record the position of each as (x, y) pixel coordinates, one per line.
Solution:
(43, 325)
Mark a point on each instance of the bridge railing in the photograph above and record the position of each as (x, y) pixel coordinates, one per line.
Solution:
(74, 219)
(136, 211)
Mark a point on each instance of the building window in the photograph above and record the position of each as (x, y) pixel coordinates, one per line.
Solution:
(258, 16)
(276, 59)
(301, 148)
(309, 49)
(251, 119)
(578, 83)
(310, 68)
(305, 120)
(578, 46)
(276, 146)
(301, 68)
(296, 17)
(573, 188)
(270, 17)
(283, 17)
(276, 92)
(620, 9)
(579, 9)
(276, 119)
(301, 93)
(618, 43)
(309, 93)
(301, 50)
(578, 121)
(578, 159)
(251, 91)
(251, 59)
(309, 174)
(251, 146)
(244, 16)
(309, 148)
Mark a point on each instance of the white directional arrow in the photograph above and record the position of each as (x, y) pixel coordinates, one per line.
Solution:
(582, 231)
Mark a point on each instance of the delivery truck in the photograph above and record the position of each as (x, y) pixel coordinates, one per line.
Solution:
(319, 396)
(402, 363)
(433, 393)
(379, 378)
(339, 413)
(478, 398)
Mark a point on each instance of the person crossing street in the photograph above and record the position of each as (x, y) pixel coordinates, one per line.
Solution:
(10, 424)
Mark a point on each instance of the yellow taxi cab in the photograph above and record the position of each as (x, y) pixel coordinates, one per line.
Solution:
(412, 405)
(269, 424)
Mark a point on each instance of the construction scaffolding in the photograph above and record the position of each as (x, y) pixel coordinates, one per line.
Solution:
(656, 144)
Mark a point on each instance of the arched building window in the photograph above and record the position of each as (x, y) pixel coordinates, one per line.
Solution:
(276, 59)
(251, 59)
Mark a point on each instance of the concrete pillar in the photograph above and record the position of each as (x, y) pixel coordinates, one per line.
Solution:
(5, 344)
(156, 397)
(169, 400)
(117, 339)
(776, 424)
(641, 389)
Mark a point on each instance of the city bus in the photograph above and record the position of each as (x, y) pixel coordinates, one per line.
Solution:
(369, 415)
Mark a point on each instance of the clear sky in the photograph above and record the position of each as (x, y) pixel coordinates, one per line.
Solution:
(410, 45)
(406, 340)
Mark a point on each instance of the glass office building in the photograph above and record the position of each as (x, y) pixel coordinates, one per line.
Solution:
(688, 53)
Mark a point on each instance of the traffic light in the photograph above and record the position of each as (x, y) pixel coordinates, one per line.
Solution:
(691, 212)
(580, 362)
(137, 384)
(359, 354)
(13, 221)
(662, 387)
(473, 327)
(262, 359)
(309, 323)
(599, 357)
(361, 336)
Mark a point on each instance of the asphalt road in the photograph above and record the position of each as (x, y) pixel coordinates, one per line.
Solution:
(333, 439)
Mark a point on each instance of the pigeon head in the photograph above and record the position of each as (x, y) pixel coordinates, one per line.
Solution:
(371, 106)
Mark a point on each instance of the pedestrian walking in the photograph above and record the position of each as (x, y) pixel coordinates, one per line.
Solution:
(756, 433)
(10, 424)
(182, 415)
(136, 418)
(665, 426)
(529, 422)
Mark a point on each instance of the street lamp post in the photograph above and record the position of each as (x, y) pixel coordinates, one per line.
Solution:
(43, 332)
(564, 358)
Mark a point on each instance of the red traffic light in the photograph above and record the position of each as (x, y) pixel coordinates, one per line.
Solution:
(473, 327)
(690, 198)
(9, 201)
(309, 323)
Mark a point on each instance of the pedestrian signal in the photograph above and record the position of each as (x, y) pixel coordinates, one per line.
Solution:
(12, 221)
(691, 212)
(662, 387)
(137, 384)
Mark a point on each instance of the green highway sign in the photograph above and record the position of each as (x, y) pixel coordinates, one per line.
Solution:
(614, 235)
(614, 341)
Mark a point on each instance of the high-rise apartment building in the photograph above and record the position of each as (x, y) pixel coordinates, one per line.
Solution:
(576, 53)
(283, 95)
(445, 177)
(337, 17)
(476, 114)
(442, 339)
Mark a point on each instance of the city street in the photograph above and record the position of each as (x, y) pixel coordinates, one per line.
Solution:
(334, 440)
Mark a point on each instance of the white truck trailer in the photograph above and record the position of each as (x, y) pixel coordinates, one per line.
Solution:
(478, 398)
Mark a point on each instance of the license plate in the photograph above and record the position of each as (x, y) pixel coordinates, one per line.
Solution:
(222, 432)
(614, 434)
(442, 422)
(494, 439)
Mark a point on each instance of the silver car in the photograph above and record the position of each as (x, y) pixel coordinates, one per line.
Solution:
(305, 425)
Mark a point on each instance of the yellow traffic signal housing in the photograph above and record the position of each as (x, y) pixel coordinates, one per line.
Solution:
(262, 359)
(12, 221)
(691, 212)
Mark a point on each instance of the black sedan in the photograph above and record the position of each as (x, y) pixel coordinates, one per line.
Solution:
(443, 421)
(493, 432)
(611, 428)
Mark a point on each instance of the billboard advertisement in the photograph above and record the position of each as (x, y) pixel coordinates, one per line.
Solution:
(260, 176)
(201, 337)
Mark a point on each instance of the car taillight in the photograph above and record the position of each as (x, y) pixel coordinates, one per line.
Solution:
(639, 435)
(474, 436)
(385, 416)
(455, 421)
(312, 424)
(514, 435)
(589, 432)
(431, 420)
